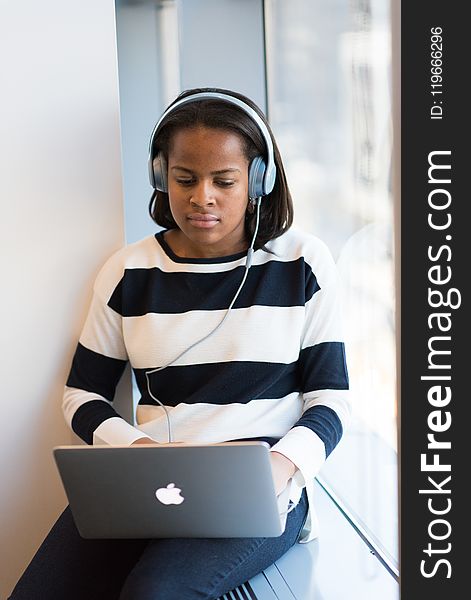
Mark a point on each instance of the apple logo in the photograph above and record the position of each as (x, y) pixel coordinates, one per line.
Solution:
(169, 494)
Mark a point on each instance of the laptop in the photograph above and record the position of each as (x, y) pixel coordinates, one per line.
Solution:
(172, 490)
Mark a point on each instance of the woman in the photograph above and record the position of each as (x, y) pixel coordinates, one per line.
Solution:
(229, 320)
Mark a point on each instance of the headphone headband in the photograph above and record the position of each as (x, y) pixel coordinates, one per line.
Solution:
(266, 174)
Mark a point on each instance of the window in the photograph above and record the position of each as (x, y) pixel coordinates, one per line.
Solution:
(329, 103)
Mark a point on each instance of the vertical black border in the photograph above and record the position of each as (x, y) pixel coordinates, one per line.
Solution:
(422, 135)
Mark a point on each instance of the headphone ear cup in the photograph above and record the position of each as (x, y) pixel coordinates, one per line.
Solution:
(159, 168)
(257, 170)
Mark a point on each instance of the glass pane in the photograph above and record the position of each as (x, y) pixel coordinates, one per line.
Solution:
(329, 98)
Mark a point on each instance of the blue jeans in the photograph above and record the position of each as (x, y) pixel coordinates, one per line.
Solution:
(68, 567)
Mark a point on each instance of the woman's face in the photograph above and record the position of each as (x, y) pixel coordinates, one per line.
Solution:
(208, 192)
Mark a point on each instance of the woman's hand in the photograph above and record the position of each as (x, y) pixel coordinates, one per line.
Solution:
(148, 441)
(145, 440)
(282, 469)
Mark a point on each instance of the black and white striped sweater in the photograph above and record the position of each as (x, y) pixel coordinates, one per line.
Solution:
(275, 369)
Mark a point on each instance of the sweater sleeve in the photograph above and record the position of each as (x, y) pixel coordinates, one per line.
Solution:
(97, 366)
(322, 373)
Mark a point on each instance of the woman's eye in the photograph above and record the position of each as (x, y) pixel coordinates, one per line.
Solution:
(188, 182)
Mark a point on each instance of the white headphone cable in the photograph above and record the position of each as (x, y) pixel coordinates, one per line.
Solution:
(248, 264)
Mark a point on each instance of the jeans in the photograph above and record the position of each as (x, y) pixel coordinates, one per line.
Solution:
(68, 567)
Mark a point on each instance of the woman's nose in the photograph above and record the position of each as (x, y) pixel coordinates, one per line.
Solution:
(203, 194)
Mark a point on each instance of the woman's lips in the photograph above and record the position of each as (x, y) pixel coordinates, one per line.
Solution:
(203, 221)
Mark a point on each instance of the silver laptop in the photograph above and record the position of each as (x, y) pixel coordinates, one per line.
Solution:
(172, 490)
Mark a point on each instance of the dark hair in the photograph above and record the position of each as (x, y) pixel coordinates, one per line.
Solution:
(276, 210)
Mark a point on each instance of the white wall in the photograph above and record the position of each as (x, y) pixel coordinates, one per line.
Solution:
(61, 215)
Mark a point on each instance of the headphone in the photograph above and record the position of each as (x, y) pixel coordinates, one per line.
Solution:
(262, 174)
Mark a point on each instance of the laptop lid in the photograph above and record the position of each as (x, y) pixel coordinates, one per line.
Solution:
(146, 491)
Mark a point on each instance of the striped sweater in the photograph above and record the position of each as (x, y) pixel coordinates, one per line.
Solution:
(275, 370)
